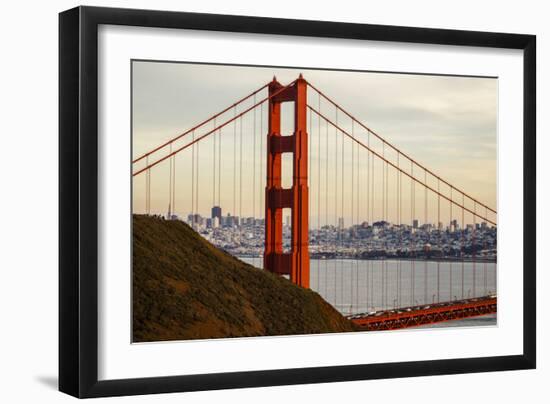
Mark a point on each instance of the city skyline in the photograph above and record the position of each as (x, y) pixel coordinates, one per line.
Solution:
(453, 223)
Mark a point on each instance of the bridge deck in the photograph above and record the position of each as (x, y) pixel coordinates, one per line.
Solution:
(426, 314)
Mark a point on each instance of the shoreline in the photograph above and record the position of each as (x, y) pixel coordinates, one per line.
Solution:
(450, 260)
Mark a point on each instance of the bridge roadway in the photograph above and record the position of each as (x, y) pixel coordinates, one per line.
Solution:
(425, 314)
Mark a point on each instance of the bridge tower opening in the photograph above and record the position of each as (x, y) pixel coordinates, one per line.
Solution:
(296, 262)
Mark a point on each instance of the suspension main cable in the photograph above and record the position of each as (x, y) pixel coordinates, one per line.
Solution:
(213, 130)
(392, 146)
(199, 125)
(403, 171)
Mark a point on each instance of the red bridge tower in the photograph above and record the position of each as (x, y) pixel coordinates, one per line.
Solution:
(296, 262)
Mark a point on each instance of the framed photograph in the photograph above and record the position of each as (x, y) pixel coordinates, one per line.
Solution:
(251, 201)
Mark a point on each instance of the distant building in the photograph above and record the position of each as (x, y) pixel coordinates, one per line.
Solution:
(426, 227)
(217, 212)
(454, 225)
(194, 219)
(230, 221)
(415, 223)
(341, 223)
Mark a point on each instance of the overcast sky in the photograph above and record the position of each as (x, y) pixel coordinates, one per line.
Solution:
(447, 124)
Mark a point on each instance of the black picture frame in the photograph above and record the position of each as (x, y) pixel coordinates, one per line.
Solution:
(78, 201)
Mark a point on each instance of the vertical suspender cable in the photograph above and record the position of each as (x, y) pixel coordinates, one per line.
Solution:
(197, 179)
(310, 174)
(234, 164)
(169, 214)
(369, 219)
(254, 174)
(439, 228)
(343, 223)
(335, 206)
(372, 220)
(398, 199)
(318, 181)
(351, 225)
(413, 237)
(462, 246)
(326, 185)
(262, 152)
(309, 184)
(193, 181)
(219, 169)
(174, 185)
(149, 192)
(474, 294)
(383, 273)
(386, 219)
(214, 167)
(484, 259)
(358, 223)
(309, 177)
(426, 230)
(240, 179)
(451, 230)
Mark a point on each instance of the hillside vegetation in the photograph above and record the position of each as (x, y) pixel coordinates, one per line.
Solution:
(185, 288)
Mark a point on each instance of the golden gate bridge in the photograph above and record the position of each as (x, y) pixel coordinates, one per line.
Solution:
(340, 168)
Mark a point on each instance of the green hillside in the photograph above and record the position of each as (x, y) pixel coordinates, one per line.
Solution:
(185, 288)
